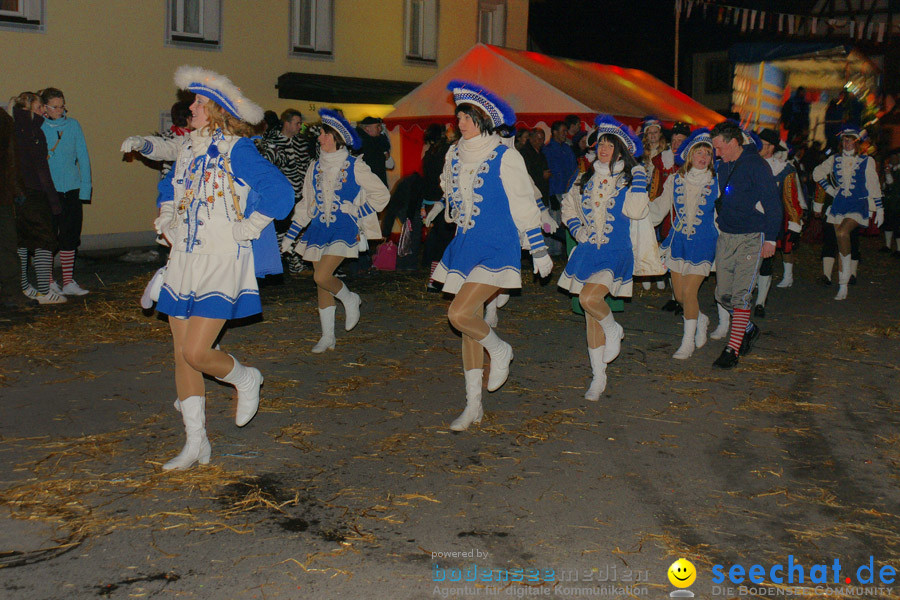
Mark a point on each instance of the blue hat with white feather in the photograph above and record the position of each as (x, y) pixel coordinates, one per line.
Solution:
(497, 109)
(607, 124)
(342, 126)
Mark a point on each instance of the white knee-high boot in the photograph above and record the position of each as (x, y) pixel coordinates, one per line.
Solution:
(196, 448)
(702, 328)
(724, 323)
(327, 341)
(501, 355)
(351, 302)
(765, 282)
(473, 411)
(687, 340)
(844, 277)
(788, 279)
(614, 334)
(490, 312)
(246, 381)
(827, 266)
(598, 367)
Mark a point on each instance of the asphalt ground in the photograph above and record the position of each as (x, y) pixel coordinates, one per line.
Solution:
(348, 483)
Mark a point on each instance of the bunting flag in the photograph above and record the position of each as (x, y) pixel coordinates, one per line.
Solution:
(792, 24)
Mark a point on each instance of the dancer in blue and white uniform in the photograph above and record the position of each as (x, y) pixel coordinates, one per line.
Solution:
(597, 211)
(210, 276)
(341, 199)
(858, 193)
(689, 250)
(489, 195)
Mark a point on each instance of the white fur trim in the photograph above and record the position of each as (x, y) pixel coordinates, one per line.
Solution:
(188, 77)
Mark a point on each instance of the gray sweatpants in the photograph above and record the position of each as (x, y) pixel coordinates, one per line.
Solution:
(737, 265)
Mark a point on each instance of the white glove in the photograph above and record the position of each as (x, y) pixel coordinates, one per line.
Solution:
(582, 235)
(363, 244)
(590, 156)
(287, 245)
(389, 163)
(250, 227)
(348, 207)
(436, 210)
(543, 264)
(165, 222)
(547, 222)
(132, 144)
(879, 217)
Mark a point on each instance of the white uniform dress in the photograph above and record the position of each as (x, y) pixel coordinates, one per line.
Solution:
(209, 273)
(599, 216)
(690, 246)
(341, 199)
(858, 191)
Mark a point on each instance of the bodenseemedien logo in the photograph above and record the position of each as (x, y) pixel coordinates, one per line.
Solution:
(682, 575)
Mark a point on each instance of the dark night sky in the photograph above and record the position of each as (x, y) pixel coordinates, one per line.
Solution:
(640, 33)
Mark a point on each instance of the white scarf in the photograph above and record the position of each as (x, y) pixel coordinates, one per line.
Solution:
(476, 149)
(608, 190)
(330, 164)
(848, 165)
(695, 182)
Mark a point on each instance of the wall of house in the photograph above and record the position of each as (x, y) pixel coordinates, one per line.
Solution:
(112, 62)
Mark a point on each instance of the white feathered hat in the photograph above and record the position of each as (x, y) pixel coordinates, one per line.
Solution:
(219, 89)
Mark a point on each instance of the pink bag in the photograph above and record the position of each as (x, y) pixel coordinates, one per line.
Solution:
(386, 257)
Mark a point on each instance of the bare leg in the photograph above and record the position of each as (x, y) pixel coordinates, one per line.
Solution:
(465, 314)
(593, 301)
(472, 351)
(198, 350)
(690, 287)
(326, 283)
(193, 341)
(842, 232)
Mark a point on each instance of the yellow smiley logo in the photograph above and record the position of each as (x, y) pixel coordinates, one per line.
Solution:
(682, 573)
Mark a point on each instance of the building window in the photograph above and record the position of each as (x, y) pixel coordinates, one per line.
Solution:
(194, 23)
(312, 27)
(421, 30)
(22, 14)
(492, 22)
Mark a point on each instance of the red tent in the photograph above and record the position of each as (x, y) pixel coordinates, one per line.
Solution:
(540, 88)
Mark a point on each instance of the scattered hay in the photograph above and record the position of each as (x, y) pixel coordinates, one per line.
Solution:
(777, 404)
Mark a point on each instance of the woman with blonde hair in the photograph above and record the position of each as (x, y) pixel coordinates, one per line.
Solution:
(690, 248)
(225, 195)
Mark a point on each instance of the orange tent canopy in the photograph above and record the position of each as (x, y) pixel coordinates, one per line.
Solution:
(538, 86)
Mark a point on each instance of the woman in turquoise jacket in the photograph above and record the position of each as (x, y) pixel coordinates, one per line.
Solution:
(70, 168)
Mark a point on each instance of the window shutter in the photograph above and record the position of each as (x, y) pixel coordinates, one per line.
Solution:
(324, 24)
(212, 20)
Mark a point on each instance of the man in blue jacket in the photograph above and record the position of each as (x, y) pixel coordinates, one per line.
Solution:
(70, 168)
(563, 170)
(749, 214)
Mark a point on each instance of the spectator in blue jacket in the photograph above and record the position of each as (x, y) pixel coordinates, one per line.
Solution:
(70, 168)
(563, 169)
(749, 213)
